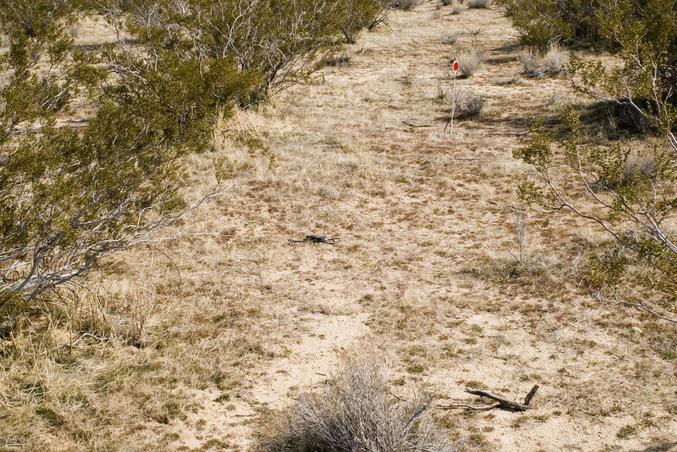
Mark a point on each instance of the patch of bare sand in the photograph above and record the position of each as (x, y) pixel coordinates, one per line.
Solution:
(303, 364)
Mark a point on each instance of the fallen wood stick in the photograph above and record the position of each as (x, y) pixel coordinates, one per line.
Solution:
(503, 403)
(411, 124)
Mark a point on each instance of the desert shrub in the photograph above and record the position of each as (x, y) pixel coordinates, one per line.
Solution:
(630, 196)
(646, 45)
(589, 22)
(537, 65)
(277, 41)
(544, 22)
(479, 4)
(452, 38)
(470, 61)
(354, 15)
(630, 190)
(357, 412)
(70, 194)
(467, 105)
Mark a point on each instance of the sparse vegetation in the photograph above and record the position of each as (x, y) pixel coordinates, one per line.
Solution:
(216, 332)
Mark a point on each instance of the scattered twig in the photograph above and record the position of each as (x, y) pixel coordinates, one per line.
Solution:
(411, 124)
(503, 403)
(85, 335)
(466, 159)
(639, 306)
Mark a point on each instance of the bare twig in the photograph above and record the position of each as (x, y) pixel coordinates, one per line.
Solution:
(502, 403)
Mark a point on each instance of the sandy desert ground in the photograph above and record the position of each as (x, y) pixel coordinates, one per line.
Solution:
(237, 320)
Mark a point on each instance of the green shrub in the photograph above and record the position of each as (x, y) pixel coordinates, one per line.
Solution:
(630, 196)
(70, 194)
(630, 191)
(542, 23)
(358, 14)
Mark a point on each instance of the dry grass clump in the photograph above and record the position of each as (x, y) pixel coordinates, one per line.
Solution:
(339, 59)
(404, 5)
(637, 167)
(456, 7)
(470, 61)
(452, 38)
(467, 105)
(537, 65)
(479, 4)
(357, 412)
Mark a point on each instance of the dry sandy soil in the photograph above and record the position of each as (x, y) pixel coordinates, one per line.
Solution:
(238, 320)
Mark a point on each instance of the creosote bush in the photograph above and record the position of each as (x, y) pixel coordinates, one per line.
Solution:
(71, 194)
(544, 22)
(354, 15)
(357, 412)
(628, 189)
(631, 196)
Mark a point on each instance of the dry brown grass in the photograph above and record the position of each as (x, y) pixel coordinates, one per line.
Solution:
(552, 63)
(467, 105)
(479, 4)
(470, 61)
(238, 322)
